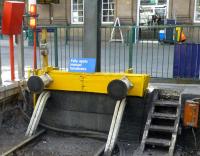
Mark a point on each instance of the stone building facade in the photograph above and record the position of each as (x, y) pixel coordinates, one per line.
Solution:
(130, 12)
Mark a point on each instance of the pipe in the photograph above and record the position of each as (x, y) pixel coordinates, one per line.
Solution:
(110, 135)
(37, 113)
(34, 113)
(12, 60)
(44, 49)
(35, 49)
(118, 124)
(111, 142)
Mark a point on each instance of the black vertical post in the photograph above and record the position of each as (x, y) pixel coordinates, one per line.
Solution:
(56, 46)
(92, 31)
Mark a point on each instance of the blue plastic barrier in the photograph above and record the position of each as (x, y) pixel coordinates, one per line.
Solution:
(186, 60)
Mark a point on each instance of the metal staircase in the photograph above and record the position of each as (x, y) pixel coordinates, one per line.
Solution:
(161, 129)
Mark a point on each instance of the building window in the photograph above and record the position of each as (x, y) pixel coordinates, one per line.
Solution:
(153, 12)
(153, 2)
(77, 11)
(108, 11)
(197, 11)
(162, 2)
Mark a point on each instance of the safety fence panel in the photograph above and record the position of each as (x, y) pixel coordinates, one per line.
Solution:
(160, 51)
(64, 42)
(171, 52)
(114, 49)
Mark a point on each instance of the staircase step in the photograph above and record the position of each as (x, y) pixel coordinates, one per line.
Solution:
(161, 128)
(164, 116)
(166, 103)
(158, 142)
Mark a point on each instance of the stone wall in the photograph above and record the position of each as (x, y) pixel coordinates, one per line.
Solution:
(125, 9)
(94, 112)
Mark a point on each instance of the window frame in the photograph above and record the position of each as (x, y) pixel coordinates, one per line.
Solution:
(155, 6)
(195, 12)
(156, 3)
(110, 22)
(72, 10)
(102, 9)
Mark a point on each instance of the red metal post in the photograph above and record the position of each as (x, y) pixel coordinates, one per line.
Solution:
(35, 50)
(12, 60)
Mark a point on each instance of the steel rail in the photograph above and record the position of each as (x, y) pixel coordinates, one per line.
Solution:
(23, 143)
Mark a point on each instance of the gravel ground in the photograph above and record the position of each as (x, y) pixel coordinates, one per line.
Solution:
(54, 144)
(51, 144)
(12, 130)
(14, 127)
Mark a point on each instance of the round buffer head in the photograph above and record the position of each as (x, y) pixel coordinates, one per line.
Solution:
(35, 84)
(117, 89)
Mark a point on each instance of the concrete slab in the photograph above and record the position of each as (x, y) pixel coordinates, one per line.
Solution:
(191, 91)
(8, 89)
(172, 86)
(175, 90)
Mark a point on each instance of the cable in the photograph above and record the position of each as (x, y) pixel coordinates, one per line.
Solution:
(195, 139)
(83, 133)
(86, 133)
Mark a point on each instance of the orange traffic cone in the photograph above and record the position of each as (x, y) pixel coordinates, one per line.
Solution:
(183, 37)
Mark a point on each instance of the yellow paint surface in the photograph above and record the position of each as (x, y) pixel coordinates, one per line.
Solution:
(95, 83)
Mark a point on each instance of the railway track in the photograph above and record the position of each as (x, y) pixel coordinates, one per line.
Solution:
(23, 143)
(31, 139)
